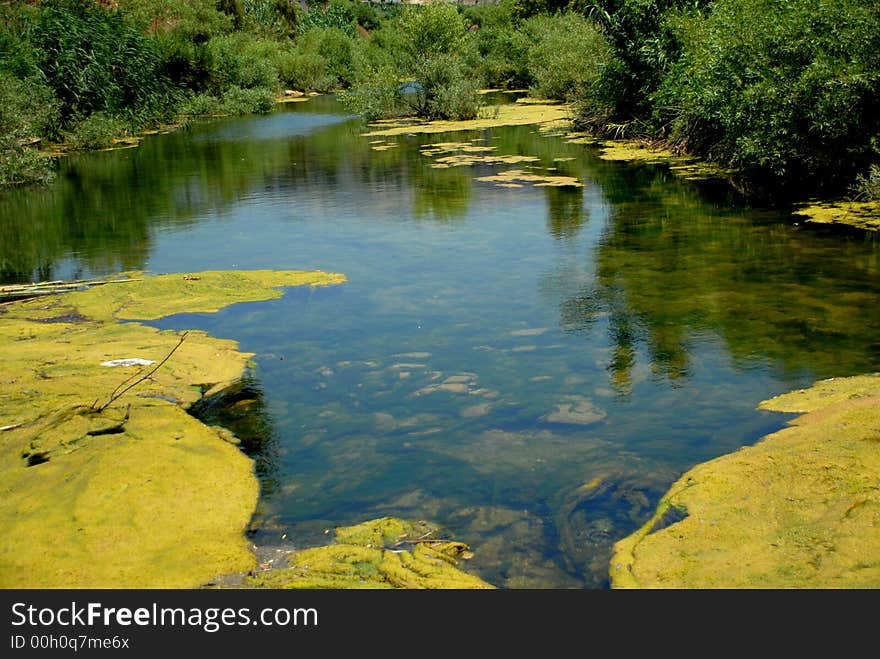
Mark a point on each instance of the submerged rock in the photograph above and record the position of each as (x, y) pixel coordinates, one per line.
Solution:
(799, 509)
(577, 410)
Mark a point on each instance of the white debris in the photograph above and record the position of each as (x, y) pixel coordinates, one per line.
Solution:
(131, 361)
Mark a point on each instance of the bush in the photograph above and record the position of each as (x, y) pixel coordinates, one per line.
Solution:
(94, 132)
(377, 95)
(20, 165)
(431, 30)
(28, 108)
(17, 55)
(445, 89)
(240, 61)
(568, 57)
(322, 60)
(645, 47)
(95, 62)
(337, 15)
(867, 186)
(274, 18)
(232, 101)
(787, 92)
(336, 47)
(500, 52)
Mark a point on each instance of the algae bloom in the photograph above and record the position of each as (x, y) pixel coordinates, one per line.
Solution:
(799, 509)
(378, 554)
(107, 487)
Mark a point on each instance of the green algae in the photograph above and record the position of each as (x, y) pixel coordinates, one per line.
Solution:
(861, 214)
(545, 114)
(515, 177)
(130, 491)
(799, 509)
(627, 150)
(378, 554)
(467, 154)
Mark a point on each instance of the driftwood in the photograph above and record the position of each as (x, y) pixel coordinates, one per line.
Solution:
(23, 291)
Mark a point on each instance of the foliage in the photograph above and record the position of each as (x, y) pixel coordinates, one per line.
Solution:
(524, 9)
(27, 110)
(644, 46)
(95, 62)
(96, 131)
(568, 56)
(20, 164)
(444, 90)
(232, 101)
(431, 30)
(501, 50)
(336, 14)
(788, 92)
(867, 186)
(377, 95)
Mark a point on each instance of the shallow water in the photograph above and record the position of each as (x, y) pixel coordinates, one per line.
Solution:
(529, 367)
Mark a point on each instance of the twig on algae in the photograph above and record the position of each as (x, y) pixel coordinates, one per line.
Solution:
(121, 389)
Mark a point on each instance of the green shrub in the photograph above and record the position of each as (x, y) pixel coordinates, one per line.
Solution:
(336, 47)
(644, 46)
(17, 54)
(232, 101)
(337, 15)
(568, 57)
(236, 101)
(377, 94)
(237, 60)
(444, 89)
(276, 18)
(431, 30)
(21, 165)
(787, 92)
(28, 108)
(322, 60)
(94, 61)
(304, 70)
(500, 51)
(867, 185)
(95, 131)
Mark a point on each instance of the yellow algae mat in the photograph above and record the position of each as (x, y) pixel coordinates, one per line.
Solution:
(379, 554)
(546, 114)
(861, 214)
(105, 480)
(799, 509)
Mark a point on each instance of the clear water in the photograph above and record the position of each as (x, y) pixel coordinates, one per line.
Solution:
(494, 349)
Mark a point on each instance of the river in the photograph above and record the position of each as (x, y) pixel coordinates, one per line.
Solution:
(528, 366)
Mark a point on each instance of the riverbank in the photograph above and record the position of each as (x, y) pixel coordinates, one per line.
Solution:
(107, 481)
(556, 118)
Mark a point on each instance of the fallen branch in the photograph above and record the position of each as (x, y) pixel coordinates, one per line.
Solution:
(119, 391)
(21, 291)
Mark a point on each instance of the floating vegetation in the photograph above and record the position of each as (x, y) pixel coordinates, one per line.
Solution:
(861, 214)
(799, 509)
(518, 176)
(686, 167)
(524, 112)
(378, 554)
